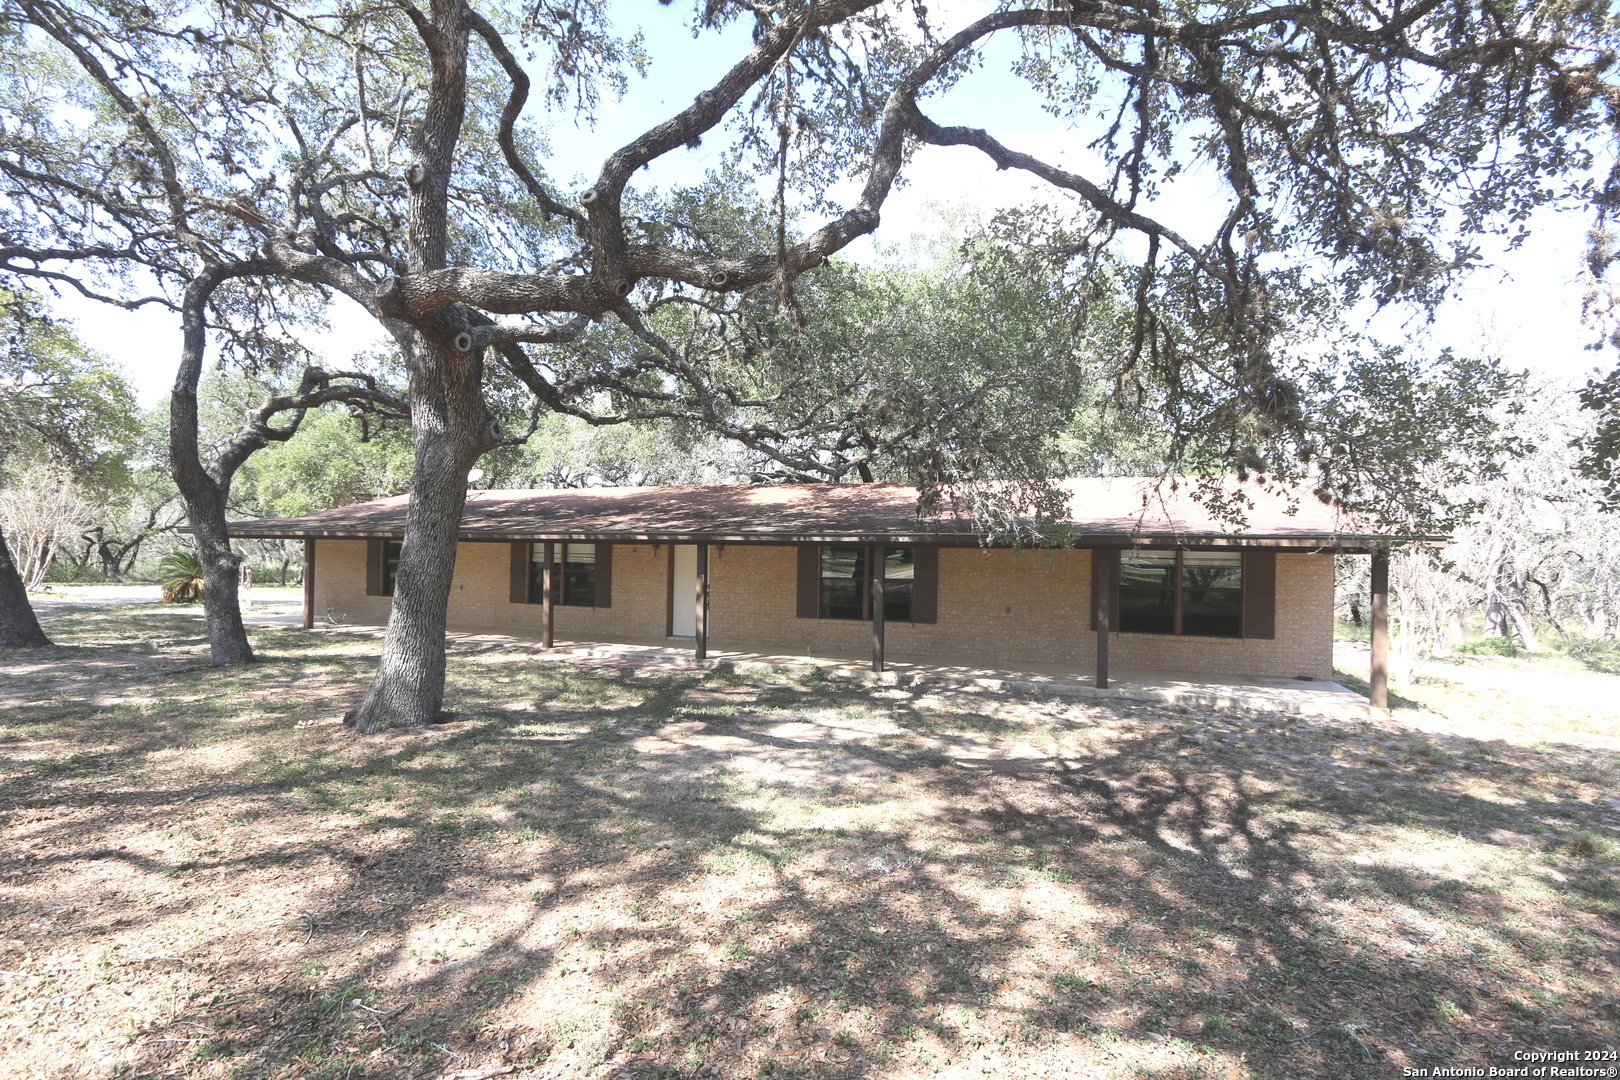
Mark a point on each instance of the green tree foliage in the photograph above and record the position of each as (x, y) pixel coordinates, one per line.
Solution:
(1407, 438)
(566, 452)
(329, 464)
(138, 515)
(1600, 447)
(1534, 554)
(61, 404)
(342, 454)
(345, 452)
(60, 399)
(1352, 153)
(956, 364)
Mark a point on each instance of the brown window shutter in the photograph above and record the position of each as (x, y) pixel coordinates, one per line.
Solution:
(1259, 593)
(809, 581)
(520, 572)
(925, 584)
(604, 575)
(374, 567)
(1105, 573)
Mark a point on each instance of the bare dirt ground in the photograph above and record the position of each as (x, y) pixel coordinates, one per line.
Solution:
(601, 871)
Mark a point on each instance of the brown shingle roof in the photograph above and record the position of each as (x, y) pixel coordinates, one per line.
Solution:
(1104, 511)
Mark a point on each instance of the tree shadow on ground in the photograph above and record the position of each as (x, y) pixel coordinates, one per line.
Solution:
(609, 871)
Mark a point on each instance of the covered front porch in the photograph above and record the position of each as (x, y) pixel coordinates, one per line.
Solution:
(1099, 678)
(1292, 697)
(1317, 698)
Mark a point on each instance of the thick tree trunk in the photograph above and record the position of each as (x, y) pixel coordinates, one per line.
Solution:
(205, 494)
(222, 611)
(450, 423)
(408, 690)
(19, 626)
(451, 428)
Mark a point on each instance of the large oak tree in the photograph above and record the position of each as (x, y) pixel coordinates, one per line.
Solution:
(249, 157)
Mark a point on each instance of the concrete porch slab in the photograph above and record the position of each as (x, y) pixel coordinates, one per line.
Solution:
(1317, 699)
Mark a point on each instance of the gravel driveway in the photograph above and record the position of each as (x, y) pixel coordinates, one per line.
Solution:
(79, 595)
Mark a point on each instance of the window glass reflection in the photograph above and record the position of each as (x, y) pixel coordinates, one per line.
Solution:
(1206, 587)
(392, 549)
(846, 582)
(843, 581)
(573, 574)
(1212, 593)
(899, 573)
(1147, 592)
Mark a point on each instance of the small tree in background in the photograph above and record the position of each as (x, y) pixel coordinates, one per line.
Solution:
(42, 509)
(181, 576)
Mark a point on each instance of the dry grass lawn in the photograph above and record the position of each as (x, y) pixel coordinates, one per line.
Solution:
(607, 871)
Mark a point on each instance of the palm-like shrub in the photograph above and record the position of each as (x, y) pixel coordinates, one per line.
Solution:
(181, 575)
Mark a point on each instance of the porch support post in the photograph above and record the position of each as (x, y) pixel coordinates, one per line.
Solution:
(548, 607)
(1378, 676)
(1102, 642)
(1104, 591)
(876, 559)
(309, 583)
(700, 624)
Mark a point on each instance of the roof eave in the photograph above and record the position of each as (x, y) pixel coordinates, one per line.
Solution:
(1344, 543)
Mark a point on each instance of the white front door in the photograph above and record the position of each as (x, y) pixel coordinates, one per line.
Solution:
(683, 592)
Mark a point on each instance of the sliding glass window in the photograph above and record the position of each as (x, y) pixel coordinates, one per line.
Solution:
(1197, 593)
(899, 576)
(1147, 593)
(846, 582)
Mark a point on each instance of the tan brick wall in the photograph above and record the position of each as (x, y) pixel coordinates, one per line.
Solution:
(480, 592)
(755, 597)
(996, 608)
(1003, 608)
(340, 585)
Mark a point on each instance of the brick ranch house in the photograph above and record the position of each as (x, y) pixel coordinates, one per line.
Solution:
(835, 570)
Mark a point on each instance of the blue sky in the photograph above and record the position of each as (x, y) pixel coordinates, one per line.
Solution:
(1526, 306)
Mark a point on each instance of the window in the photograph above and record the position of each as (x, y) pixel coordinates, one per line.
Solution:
(846, 582)
(843, 580)
(899, 575)
(1147, 593)
(1182, 592)
(578, 578)
(390, 564)
(1212, 593)
(573, 575)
